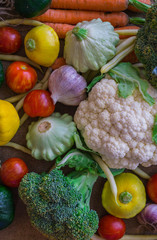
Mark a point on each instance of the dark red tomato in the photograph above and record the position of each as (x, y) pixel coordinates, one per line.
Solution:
(20, 77)
(111, 228)
(38, 103)
(151, 188)
(12, 171)
(10, 40)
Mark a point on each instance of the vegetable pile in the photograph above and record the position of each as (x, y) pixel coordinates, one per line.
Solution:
(92, 116)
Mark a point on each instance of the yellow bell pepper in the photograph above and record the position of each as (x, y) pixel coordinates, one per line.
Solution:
(42, 45)
(131, 197)
(9, 122)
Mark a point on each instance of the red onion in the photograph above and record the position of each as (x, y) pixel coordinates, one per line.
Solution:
(148, 217)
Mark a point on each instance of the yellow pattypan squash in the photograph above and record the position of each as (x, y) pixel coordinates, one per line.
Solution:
(42, 45)
(9, 122)
(131, 197)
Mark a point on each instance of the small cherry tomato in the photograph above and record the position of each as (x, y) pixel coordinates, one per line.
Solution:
(111, 228)
(20, 77)
(10, 40)
(151, 188)
(38, 103)
(12, 171)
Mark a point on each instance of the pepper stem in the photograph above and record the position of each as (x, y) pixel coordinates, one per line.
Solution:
(80, 33)
(30, 44)
(125, 197)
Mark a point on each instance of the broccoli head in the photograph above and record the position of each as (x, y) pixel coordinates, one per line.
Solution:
(58, 205)
(146, 45)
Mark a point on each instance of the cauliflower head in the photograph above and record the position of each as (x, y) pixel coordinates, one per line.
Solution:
(119, 129)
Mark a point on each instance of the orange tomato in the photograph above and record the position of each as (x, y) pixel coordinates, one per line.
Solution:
(20, 77)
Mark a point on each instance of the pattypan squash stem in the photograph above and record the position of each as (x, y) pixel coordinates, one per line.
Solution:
(5, 57)
(41, 85)
(125, 44)
(18, 147)
(15, 98)
(80, 33)
(129, 237)
(108, 174)
(125, 197)
(141, 173)
(116, 59)
(30, 45)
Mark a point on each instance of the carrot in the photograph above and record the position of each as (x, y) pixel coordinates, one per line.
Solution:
(131, 57)
(133, 9)
(58, 63)
(74, 16)
(92, 5)
(123, 28)
(60, 28)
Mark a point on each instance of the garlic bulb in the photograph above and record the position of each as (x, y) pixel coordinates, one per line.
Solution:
(67, 86)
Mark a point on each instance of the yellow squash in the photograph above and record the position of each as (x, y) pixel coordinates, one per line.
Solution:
(9, 122)
(42, 45)
(131, 196)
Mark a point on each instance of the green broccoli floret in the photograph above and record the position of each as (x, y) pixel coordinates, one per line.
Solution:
(58, 206)
(146, 45)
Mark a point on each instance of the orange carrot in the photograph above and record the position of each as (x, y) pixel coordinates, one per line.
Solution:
(74, 16)
(60, 28)
(126, 27)
(92, 5)
(131, 57)
(58, 63)
(133, 9)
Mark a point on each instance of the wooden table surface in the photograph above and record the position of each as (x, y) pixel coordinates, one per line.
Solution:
(21, 229)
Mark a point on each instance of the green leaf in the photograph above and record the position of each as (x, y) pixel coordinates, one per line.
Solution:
(128, 78)
(83, 162)
(80, 143)
(78, 160)
(94, 81)
(154, 132)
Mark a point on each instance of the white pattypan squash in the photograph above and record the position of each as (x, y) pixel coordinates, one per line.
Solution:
(90, 45)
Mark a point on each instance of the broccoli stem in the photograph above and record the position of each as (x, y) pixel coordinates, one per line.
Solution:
(139, 5)
(83, 181)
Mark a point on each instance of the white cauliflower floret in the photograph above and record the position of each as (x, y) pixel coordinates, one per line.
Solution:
(119, 129)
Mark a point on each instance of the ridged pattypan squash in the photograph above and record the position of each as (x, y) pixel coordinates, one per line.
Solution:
(90, 45)
(50, 137)
(9, 122)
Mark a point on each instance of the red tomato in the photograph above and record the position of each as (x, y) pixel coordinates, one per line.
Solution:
(111, 228)
(10, 40)
(38, 103)
(12, 171)
(20, 77)
(151, 188)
